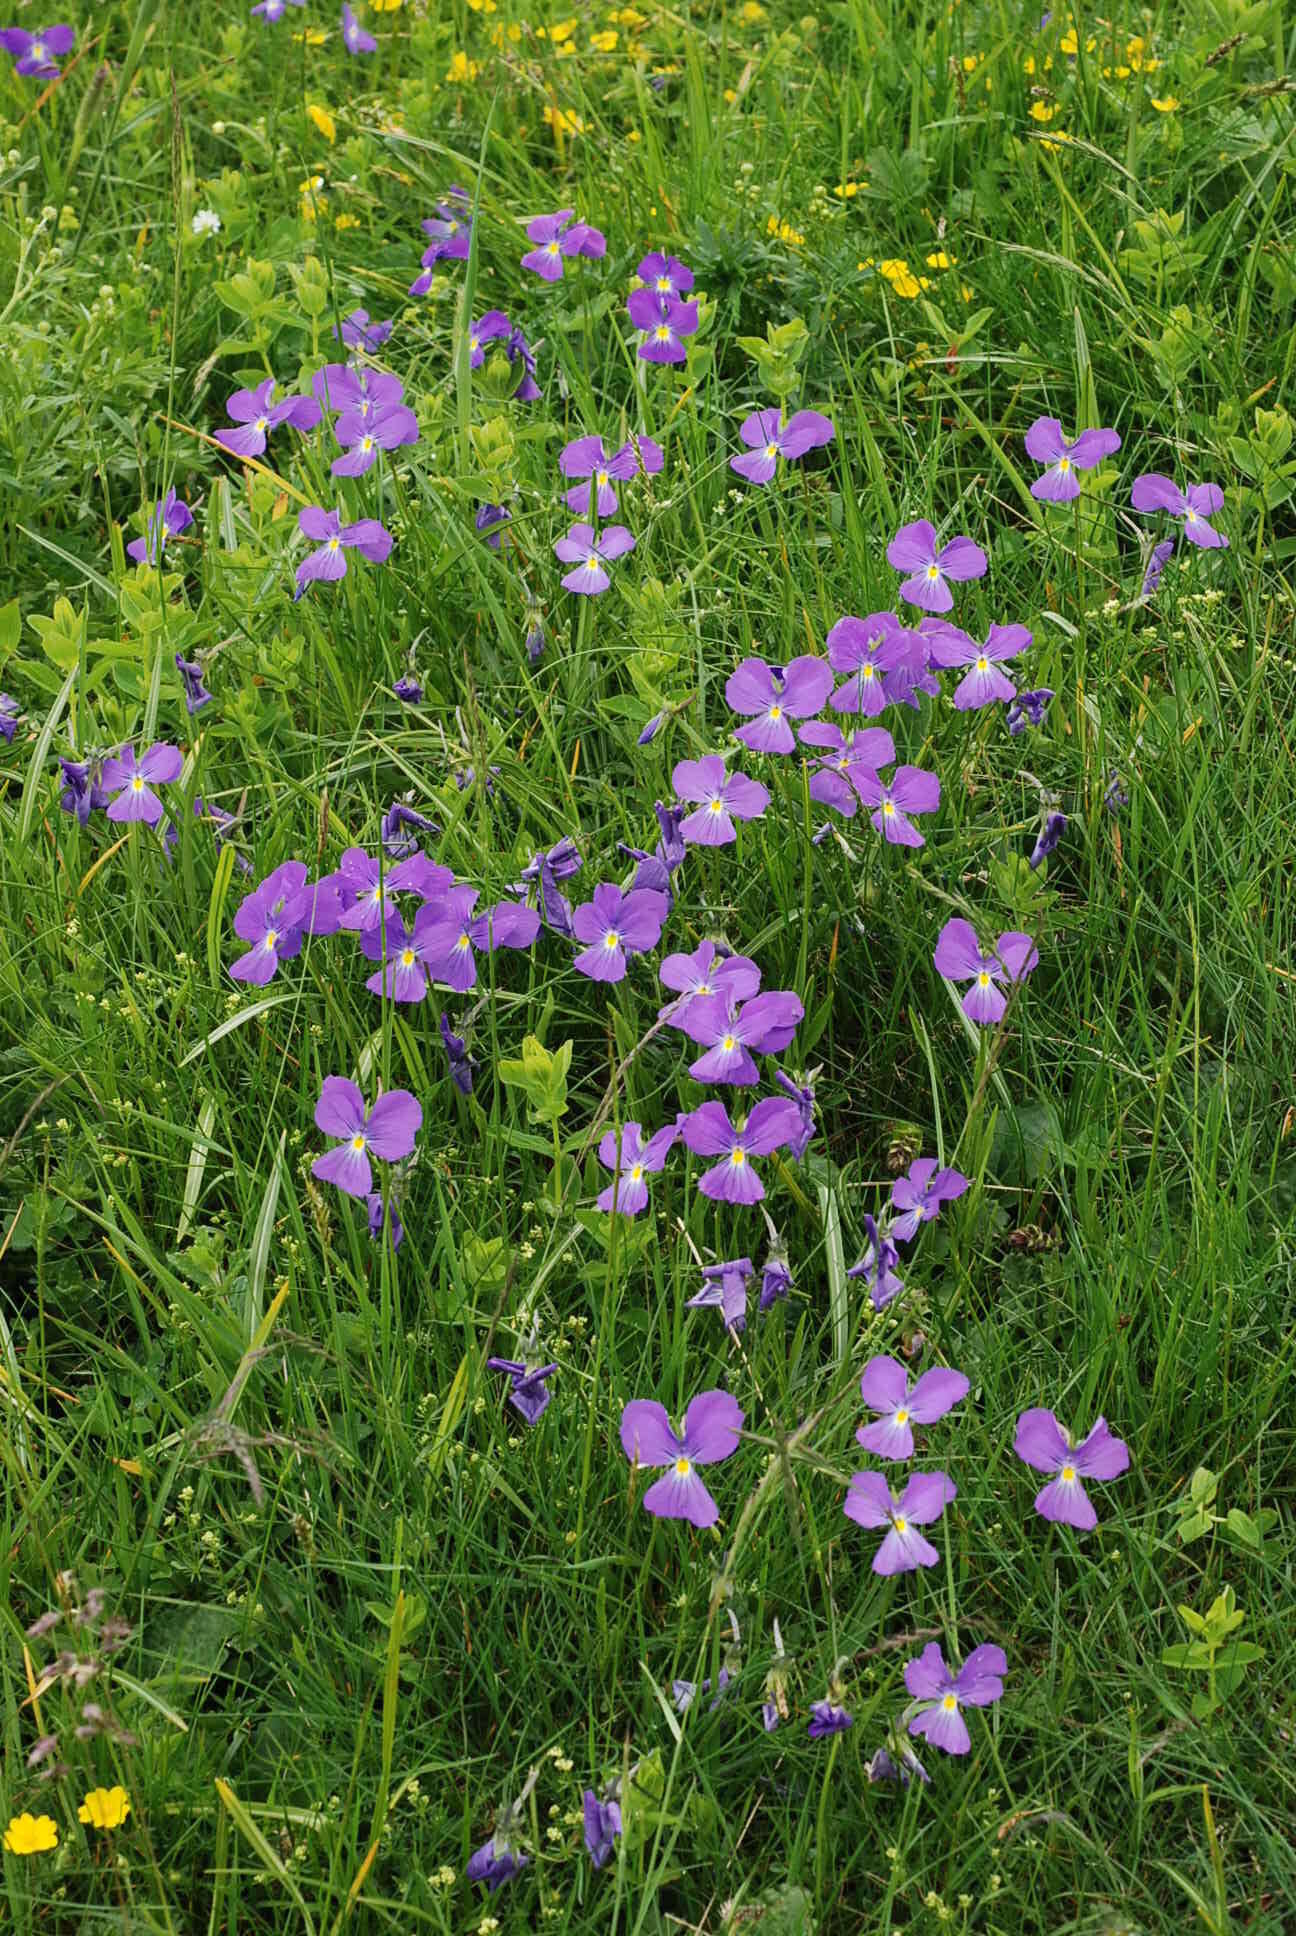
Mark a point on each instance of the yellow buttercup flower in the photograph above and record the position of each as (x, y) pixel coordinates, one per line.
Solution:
(347, 222)
(939, 260)
(387, 6)
(312, 36)
(1165, 106)
(846, 191)
(971, 62)
(461, 69)
(482, 6)
(896, 270)
(785, 232)
(604, 41)
(323, 120)
(751, 13)
(628, 17)
(30, 1834)
(1060, 136)
(1045, 111)
(1028, 65)
(106, 1807)
(1070, 43)
(563, 31)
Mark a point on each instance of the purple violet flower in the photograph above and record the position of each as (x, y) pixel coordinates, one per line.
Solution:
(978, 1683)
(557, 238)
(490, 521)
(615, 926)
(870, 1502)
(724, 797)
(449, 234)
(171, 516)
(196, 695)
(1116, 795)
(773, 1124)
(847, 756)
(272, 10)
(663, 323)
(83, 790)
(958, 957)
(776, 1282)
(37, 53)
(628, 1193)
(495, 1862)
(877, 1267)
(885, 1388)
(665, 275)
(602, 1826)
(1029, 708)
(884, 1767)
(1196, 505)
(454, 932)
(589, 552)
(586, 457)
(380, 1217)
(703, 975)
(388, 427)
(408, 690)
(768, 439)
(778, 694)
(354, 387)
(826, 1719)
(388, 1130)
(529, 1391)
(333, 538)
(724, 1288)
(265, 919)
(712, 1425)
(1041, 1442)
(561, 863)
(1048, 839)
(358, 333)
(763, 1026)
(881, 658)
(132, 780)
(919, 1194)
(399, 845)
(462, 1065)
(929, 571)
(910, 790)
(803, 1096)
(254, 415)
(1156, 564)
(1046, 444)
(984, 683)
(655, 869)
(10, 714)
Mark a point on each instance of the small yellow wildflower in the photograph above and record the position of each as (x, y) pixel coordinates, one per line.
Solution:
(628, 17)
(563, 121)
(461, 69)
(563, 31)
(30, 1834)
(346, 222)
(604, 42)
(896, 270)
(751, 13)
(105, 1807)
(1165, 106)
(846, 191)
(634, 135)
(1045, 111)
(323, 120)
(971, 62)
(785, 232)
(939, 260)
(312, 198)
(482, 6)
(1060, 136)
(1028, 65)
(965, 292)
(312, 36)
(1070, 43)
(731, 95)
(387, 6)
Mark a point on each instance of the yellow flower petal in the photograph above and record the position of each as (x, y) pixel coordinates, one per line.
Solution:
(1165, 106)
(105, 1807)
(30, 1834)
(323, 120)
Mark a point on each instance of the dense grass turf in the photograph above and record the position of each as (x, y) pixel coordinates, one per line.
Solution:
(364, 1598)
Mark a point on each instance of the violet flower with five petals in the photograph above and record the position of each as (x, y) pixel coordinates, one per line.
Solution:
(778, 695)
(1046, 444)
(885, 1388)
(978, 1683)
(589, 553)
(334, 539)
(614, 926)
(628, 1193)
(762, 1026)
(132, 781)
(557, 238)
(773, 1124)
(171, 516)
(724, 797)
(1196, 506)
(919, 1194)
(254, 414)
(388, 1130)
(768, 439)
(929, 571)
(1041, 1442)
(712, 1425)
(724, 1289)
(958, 957)
(870, 1502)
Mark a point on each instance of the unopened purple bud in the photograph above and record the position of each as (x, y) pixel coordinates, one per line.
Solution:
(376, 1220)
(651, 730)
(1028, 708)
(1156, 564)
(535, 643)
(10, 714)
(1047, 841)
(408, 690)
(196, 694)
(1115, 797)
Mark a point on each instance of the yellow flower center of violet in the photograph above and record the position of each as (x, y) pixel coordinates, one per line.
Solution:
(358, 1143)
(474, 343)
(983, 980)
(1064, 464)
(1068, 1475)
(334, 544)
(888, 808)
(262, 423)
(137, 784)
(703, 988)
(933, 572)
(662, 332)
(407, 957)
(728, 1045)
(683, 1468)
(601, 478)
(611, 939)
(950, 1704)
(552, 249)
(1192, 516)
(775, 712)
(463, 943)
(636, 1174)
(366, 444)
(866, 671)
(771, 450)
(38, 50)
(902, 1416)
(663, 285)
(717, 805)
(270, 938)
(738, 1157)
(983, 664)
(901, 1525)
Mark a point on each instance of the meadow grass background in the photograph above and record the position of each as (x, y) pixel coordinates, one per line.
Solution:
(363, 1597)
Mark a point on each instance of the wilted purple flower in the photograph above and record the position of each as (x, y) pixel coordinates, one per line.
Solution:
(10, 714)
(978, 1683)
(399, 845)
(490, 520)
(882, 658)
(450, 237)
(602, 1826)
(664, 322)
(1196, 505)
(884, 1767)
(585, 457)
(354, 37)
(495, 1862)
(388, 427)
(82, 789)
(929, 571)
(267, 919)
(589, 553)
(254, 415)
(1116, 796)
(37, 53)
(712, 1424)
(462, 1065)
(655, 869)
(1046, 444)
(885, 1388)
(919, 1194)
(778, 695)
(171, 516)
(358, 333)
(958, 957)
(408, 690)
(615, 926)
(910, 790)
(762, 1026)
(707, 1131)
(535, 639)
(132, 780)
(1156, 564)
(378, 1218)
(1047, 839)
(724, 1288)
(196, 695)
(877, 1267)
(776, 1281)
(1041, 1442)
(871, 1502)
(665, 275)
(826, 1719)
(847, 756)
(557, 238)
(803, 1095)
(529, 1391)
(725, 797)
(1028, 708)
(636, 1159)
(684, 1693)
(704, 974)
(768, 439)
(561, 863)
(984, 683)
(454, 932)
(371, 539)
(388, 1130)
